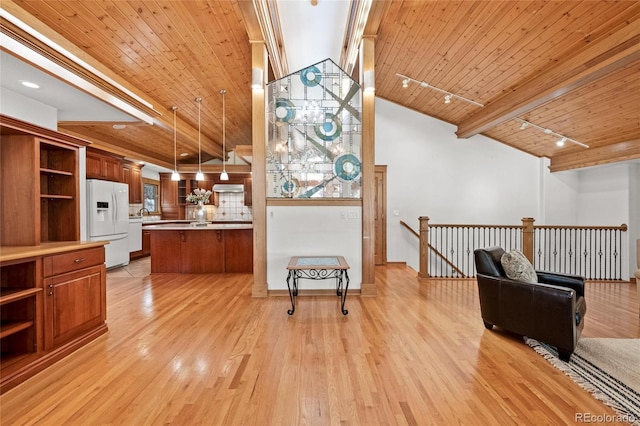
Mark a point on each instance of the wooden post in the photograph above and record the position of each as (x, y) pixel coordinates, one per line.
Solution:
(259, 59)
(424, 247)
(368, 286)
(527, 237)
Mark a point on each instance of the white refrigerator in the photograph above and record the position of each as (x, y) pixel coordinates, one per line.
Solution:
(108, 219)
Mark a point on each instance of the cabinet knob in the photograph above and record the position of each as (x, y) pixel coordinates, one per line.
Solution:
(50, 289)
(219, 235)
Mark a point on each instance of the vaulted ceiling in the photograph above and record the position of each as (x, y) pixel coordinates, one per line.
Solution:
(566, 68)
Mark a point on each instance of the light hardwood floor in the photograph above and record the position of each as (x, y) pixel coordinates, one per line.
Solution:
(197, 349)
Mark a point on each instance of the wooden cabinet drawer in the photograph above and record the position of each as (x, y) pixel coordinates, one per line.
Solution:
(72, 261)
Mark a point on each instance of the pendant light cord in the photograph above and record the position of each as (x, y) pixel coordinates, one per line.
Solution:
(175, 149)
(199, 101)
(224, 120)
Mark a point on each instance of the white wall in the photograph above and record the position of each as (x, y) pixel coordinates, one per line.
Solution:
(13, 104)
(432, 173)
(480, 181)
(313, 231)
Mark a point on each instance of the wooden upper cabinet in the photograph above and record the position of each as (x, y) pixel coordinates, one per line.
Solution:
(103, 166)
(132, 176)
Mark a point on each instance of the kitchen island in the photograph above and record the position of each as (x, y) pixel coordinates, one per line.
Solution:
(212, 248)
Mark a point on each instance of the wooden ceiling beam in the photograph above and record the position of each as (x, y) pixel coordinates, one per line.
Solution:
(621, 151)
(619, 49)
(266, 12)
(116, 149)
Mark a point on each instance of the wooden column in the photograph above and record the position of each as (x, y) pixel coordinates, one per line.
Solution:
(367, 61)
(259, 60)
(527, 237)
(424, 247)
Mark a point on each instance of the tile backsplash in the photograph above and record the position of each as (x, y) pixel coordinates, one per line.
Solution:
(231, 207)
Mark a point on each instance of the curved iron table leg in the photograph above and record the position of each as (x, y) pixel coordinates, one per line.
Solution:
(344, 293)
(292, 292)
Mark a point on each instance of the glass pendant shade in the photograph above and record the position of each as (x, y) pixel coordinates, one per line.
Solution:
(224, 175)
(200, 176)
(175, 176)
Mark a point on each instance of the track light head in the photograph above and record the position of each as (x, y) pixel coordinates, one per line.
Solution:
(405, 83)
(561, 142)
(524, 125)
(447, 99)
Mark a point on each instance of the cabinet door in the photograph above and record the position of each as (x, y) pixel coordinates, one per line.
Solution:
(126, 177)
(112, 169)
(146, 243)
(165, 251)
(238, 250)
(74, 304)
(168, 192)
(135, 186)
(248, 191)
(94, 166)
(202, 252)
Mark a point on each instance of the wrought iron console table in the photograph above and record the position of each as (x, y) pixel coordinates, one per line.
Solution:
(318, 268)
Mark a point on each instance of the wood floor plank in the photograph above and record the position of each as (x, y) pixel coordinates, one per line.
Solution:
(197, 349)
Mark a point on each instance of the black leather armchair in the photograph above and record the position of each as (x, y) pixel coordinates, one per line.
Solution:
(551, 311)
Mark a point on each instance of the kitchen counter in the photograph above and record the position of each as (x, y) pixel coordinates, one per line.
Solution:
(10, 253)
(190, 226)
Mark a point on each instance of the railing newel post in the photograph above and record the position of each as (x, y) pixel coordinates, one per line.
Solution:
(527, 237)
(424, 247)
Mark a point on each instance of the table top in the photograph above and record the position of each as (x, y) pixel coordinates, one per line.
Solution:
(317, 262)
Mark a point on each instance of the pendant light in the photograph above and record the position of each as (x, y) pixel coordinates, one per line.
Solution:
(175, 175)
(199, 175)
(223, 175)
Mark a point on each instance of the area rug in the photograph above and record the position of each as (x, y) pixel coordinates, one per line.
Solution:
(607, 368)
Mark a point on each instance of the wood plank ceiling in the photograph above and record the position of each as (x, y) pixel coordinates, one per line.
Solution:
(569, 66)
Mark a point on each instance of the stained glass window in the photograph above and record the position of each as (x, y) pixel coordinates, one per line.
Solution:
(314, 134)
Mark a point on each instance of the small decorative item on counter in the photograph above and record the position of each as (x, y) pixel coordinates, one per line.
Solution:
(200, 197)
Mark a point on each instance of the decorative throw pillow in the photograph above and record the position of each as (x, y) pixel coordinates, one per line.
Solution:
(517, 267)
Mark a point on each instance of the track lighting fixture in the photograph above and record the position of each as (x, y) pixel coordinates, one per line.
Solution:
(175, 176)
(560, 143)
(448, 95)
(199, 175)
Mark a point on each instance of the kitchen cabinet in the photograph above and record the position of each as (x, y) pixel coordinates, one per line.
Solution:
(132, 176)
(44, 206)
(53, 301)
(187, 252)
(75, 294)
(169, 197)
(100, 165)
(209, 250)
(39, 238)
(238, 250)
(248, 191)
(20, 303)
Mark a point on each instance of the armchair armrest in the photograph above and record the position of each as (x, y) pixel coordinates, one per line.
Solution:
(574, 282)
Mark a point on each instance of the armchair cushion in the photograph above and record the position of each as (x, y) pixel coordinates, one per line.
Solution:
(517, 267)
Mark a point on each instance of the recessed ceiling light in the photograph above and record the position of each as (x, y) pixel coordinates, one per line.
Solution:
(184, 154)
(29, 84)
(119, 126)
